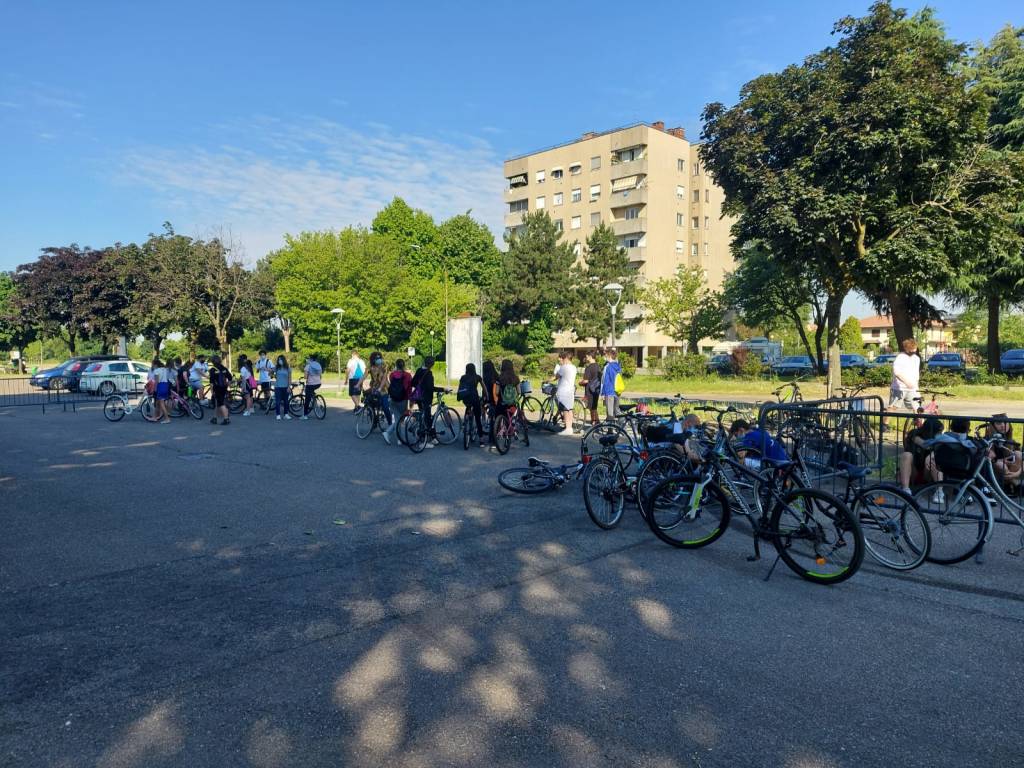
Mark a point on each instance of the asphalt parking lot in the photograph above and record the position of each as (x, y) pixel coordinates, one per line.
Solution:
(284, 594)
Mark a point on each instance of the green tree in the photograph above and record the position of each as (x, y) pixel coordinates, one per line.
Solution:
(466, 248)
(856, 161)
(850, 339)
(415, 234)
(53, 292)
(604, 261)
(683, 308)
(536, 275)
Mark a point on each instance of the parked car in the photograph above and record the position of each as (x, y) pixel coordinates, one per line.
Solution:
(947, 361)
(106, 378)
(885, 359)
(720, 364)
(68, 373)
(852, 361)
(1012, 362)
(794, 365)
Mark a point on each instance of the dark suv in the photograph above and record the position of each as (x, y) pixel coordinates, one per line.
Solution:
(947, 361)
(1012, 362)
(67, 374)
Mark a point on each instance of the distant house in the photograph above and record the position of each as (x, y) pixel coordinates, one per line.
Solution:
(937, 336)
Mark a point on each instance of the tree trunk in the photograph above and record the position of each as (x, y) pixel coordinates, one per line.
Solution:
(833, 313)
(71, 343)
(287, 339)
(902, 324)
(799, 323)
(157, 339)
(992, 345)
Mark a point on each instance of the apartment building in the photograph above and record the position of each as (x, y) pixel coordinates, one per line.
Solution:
(648, 184)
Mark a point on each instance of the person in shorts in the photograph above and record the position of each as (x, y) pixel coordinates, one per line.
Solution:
(162, 394)
(264, 373)
(354, 372)
(565, 394)
(906, 376)
(220, 380)
(314, 373)
(591, 384)
(197, 374)
(612, 368)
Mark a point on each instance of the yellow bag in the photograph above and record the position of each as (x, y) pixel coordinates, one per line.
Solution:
(620, 384)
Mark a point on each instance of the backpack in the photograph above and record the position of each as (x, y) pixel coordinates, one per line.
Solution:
(509, 394)
(217, 378)
(620, 384)
(396, 388)
(594, 385)
(417, 396)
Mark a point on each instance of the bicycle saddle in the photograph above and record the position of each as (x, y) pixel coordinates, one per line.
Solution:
(775, 463)
(535, 462)
(607, 440)
(852, 470)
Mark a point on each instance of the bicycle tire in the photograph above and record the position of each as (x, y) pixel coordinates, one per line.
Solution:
(532, 409)
(813, 516)
(501, 433)
(527, 480)
(469, 435)
(580, 414)
(523, 430)
(114, 408)
(958, 528)
(366, 420)
(147, 409)
(590, 443)
(896, 532)
(447, 426)
(402, 428)
(296, 405)
(658, 467)
(175, 408)
(320, 407)
(195, 409)
(603, 493)
(687, 512)
(416, 435)
(235, 402)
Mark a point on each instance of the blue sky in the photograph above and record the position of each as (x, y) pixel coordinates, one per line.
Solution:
(259, 118)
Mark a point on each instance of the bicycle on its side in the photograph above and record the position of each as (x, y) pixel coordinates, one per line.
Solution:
(540, 476)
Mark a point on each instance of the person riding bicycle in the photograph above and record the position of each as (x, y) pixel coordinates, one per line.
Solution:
(314, 374)
(196, 374)
(399, 391)
(423, 395)
(489, 375)
(470, 386)
(505, 389)
(375, 385)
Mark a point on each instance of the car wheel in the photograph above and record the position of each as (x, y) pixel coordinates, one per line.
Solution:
(107, 388)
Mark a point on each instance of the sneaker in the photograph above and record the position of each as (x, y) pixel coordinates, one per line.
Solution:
(387, 437)
(247, 413)
(434, 441)
(166, 421)
(287, 417)
(568, 432)
(939, 497)
(305, 418)
(213, 420)
(278, 417)
(226, 421)
(430, 445)
(483, 444)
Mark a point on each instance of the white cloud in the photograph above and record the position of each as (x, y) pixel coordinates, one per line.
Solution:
(266, 177)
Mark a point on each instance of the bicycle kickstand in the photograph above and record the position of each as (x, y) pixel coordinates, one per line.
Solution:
(757, 552)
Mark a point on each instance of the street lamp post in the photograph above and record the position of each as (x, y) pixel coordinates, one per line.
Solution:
(432, 343)
(613, 290)
(338, 313)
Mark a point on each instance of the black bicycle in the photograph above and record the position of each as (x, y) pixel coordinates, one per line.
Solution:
(540, 476)
(371, 416)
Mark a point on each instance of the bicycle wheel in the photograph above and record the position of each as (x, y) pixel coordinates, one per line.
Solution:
(416, 434)
(960, 520)
(526, 480)
(320, 407)
(147, 408)
(896, 533)
(817, 536)
(604, 493)
(366, 420)
(590, 444)
(580, 415)
(523, 430)
(447, 425)
(113, 408)
(402, 429)
(236, 403)
(687, 512)
(501, 433)
(657, 468)
(532, 409)
(176, 408)
(195, 410)
(469, 435)
(295, 405)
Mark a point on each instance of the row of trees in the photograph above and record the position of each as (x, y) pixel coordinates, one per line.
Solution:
(890, 163)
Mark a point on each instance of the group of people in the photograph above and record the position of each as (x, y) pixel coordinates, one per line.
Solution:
(211, 382)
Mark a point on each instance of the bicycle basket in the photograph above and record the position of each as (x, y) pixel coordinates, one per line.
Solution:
(956, 461)
(657, 433)
(548, 389)
(524, 387)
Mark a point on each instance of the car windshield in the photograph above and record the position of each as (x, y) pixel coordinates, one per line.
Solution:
(1014, 354)
(796, 359)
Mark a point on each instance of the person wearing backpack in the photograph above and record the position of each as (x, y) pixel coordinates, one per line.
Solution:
(423, 390)
(611, 379)
(399, 389)
(220, 380)
(591, 384)
(469, 393)
(354, 371)
(375, 385)
(506, 388)
(248, 383)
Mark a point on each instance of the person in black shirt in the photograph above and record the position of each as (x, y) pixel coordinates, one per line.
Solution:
(490, 376)
(591, 385)
(469, 393)
(220, 379)
(423, 383)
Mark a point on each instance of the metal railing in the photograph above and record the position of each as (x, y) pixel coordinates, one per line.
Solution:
(18, 392)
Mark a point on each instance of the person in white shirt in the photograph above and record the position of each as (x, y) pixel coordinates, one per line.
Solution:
(565, 394)
(197, 375)
(354, 371)
(264, 373)
(906, 376)
(313, 371)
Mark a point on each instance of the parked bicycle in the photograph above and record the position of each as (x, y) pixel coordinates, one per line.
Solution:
(371, 416)
(551, 415)
(540, 476)
(509, 426)
(118, 405)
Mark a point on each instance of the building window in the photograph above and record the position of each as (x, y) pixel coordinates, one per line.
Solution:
(540, 203)
(519, 180)
(558, 225)
(707, 195)
(518, 206)
(577, 249)
(696, 169)
(707, 222)
(595, 163)
(696, 222)
(679, 220)
(556, 174)
(631, 242)
(681, 192)
(575, 169)
(540, 177)
(679, 246)
(696, 195)
(595, 192)
(680, 165)
(574, 223)
(557, 198)
(633, 213)
(577, 195)
(693, 249)
(595, 219)
(707, 249)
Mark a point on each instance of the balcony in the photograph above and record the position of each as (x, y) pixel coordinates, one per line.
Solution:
(631, 168)
(629, 226)
(635, 196)
(515, 218)
(637, 255)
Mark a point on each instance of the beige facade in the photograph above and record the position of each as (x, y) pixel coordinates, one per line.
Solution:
(648, 184)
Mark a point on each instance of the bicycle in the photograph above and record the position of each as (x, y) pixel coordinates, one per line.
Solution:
(446, 425)
(793, 396)
(184, 406)
(295, 400)
(508, 425)
(117, 406)
(297, 403)
(551, 414)
(814, 533)
(924, 410)
(470, 436)
(959, 507)
(371, 416)
(540, 476)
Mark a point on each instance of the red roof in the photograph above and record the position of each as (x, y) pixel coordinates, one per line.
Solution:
(876, 321)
